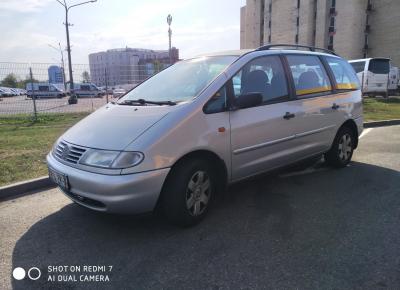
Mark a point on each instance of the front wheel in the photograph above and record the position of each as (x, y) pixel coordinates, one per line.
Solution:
(342, 148)
(188, 192)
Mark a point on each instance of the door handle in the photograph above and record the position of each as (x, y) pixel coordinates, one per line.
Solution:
(289, 116)
(335, 106)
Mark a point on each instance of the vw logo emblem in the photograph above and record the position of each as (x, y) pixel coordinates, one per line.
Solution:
(65, 152)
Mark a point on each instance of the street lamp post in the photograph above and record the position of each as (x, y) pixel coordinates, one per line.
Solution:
(169, 21)
(73, 99)
(62, 62)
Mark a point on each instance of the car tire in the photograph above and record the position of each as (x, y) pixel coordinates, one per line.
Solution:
(342, 148)
(188, 192)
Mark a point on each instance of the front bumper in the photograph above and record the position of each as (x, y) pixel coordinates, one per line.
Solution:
(126, 194)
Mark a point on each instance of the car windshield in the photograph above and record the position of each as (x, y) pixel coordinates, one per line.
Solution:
(181, 81)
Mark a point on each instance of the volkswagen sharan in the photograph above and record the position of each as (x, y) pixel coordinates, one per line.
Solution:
(178, 139)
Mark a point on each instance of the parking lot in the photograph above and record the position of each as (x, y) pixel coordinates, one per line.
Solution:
(314, 228)
(24, 105)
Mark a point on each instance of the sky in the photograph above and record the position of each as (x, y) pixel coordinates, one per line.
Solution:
(198, 26)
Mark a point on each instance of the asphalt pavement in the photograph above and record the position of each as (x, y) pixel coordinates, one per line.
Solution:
(315, 228)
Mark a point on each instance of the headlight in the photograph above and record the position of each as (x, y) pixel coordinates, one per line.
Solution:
(111, 159)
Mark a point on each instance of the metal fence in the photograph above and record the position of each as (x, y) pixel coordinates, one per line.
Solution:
(37, 100)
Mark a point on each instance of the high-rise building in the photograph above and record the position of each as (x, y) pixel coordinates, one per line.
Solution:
(123, 66)
(55, 74)
(352, 28)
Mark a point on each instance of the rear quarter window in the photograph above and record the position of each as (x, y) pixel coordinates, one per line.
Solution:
(308, 74)
(345, 76)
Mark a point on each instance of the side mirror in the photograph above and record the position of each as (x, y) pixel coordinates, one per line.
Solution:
(249, 100)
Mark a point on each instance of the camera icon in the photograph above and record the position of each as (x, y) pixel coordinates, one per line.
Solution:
(19, 273)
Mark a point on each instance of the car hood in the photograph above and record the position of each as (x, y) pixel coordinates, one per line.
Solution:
(113, 127)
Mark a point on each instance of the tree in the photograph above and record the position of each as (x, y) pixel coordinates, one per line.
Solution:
(85, 77)
(10, 81)
(22, 83)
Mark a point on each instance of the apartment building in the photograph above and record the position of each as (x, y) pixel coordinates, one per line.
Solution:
(122, 66)
(352, 28)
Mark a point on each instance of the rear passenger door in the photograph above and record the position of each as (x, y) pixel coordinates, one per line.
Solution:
(261, 138)
(345, 100)
(314, 121)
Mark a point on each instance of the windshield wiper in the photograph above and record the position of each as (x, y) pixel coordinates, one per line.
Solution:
(143, 102)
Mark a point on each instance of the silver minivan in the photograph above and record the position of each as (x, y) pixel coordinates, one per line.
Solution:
(175, 141)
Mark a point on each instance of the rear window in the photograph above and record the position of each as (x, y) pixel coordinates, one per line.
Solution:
(379, 66)
(358, 66)
(345, 76)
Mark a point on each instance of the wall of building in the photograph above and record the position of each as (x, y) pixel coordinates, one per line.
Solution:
(384, 38)
(283, 31)
(126, 65)
(314, 22)
(350, 26)
(252, 24)
(55, 74)
(307, 23)
(243, 27)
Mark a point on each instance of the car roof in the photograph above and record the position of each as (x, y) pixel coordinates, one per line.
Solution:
(242, 52)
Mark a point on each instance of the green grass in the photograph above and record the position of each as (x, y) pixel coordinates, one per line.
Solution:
(24, 144)
(376, 109)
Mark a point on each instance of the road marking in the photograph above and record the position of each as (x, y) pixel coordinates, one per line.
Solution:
(365, 132)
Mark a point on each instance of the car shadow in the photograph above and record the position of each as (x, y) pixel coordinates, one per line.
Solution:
(289, 230)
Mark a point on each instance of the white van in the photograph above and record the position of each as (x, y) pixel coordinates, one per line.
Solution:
(394, 78)
(373, 74)
(87, 90)
(44, 90)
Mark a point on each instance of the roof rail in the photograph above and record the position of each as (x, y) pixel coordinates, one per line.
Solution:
(296, 46)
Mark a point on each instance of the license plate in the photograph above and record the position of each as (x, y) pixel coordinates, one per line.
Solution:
(58, 178)
(379, 85)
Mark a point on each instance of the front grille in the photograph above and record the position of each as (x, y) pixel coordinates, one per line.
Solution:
(68, 152)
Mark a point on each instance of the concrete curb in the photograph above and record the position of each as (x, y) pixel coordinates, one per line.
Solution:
(24, 187)
(382, 123)
(43, 182)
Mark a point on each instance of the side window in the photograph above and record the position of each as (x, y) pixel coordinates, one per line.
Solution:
(345, 76)
(217, 103)
(309, 75)
(264, 75)
(358, 66)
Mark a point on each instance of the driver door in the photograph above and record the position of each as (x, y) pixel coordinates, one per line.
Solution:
(262, 137)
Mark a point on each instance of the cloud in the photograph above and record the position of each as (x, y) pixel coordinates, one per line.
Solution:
(23, 5)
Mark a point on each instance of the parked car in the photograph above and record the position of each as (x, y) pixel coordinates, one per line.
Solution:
(6, 92)
(373, 74)
(2, 93)
(87, 90)
(44, 90)
(118, 93)
(173, 143)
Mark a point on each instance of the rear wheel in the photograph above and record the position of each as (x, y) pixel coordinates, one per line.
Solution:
(342, 148)
(188, 192)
